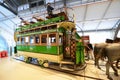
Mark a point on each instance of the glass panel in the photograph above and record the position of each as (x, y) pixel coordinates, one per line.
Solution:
(22, 40)
(118, 35)
(26, 40)
(44, 39)
(31, 39)
(18, 40)
(52, 38)
(37, 39)
(60, 39)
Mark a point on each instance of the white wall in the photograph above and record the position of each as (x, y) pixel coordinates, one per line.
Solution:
(97, 16)
(99, 37)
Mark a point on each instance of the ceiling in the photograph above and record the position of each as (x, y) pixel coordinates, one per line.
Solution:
(97, 16)
(89, 15)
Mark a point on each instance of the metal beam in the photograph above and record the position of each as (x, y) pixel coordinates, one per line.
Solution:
(116, 25)
(6, 31)
(104, 14)
(116, 32)
(96, 20)
(7, 25)
(65, 7)
(95, 30)
(15, 2)
(7, 17)
(14, 12)
(64, 2)
(85, 14)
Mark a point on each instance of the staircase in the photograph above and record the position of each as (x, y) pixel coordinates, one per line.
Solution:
(67, 65)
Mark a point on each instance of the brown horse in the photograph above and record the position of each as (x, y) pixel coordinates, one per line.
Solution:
(109, 51)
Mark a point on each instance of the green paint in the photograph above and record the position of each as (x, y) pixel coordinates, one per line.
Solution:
(77, 36)
(38, 24)
(61, 29)
(54, 50)
(80, 53)
(37, 32)
(60, 49)
(38, 49)
(18, 29)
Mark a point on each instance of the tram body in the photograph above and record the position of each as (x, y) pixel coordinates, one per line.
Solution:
(49, 41)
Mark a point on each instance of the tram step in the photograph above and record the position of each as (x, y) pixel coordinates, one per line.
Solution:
(66, 62)
(68, 69)
(67, 65)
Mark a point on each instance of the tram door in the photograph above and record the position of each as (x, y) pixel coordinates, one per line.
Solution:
(66, 45)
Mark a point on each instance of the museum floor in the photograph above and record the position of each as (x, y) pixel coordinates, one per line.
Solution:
(12, 69)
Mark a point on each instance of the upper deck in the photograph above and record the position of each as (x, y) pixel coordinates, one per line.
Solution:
(47, 26)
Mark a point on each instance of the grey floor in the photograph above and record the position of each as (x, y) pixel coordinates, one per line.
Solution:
(11, 69)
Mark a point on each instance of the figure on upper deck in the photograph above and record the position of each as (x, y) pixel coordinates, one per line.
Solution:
(50, 9)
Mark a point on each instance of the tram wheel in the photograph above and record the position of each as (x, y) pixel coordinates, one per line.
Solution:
(25, 58)
(46, 63)
(40, 62)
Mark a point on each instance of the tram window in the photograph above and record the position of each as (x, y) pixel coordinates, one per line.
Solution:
(18, 40)
(44, 39)
(60, 39)
(26, 40)
(22, 40)
(52, 38)
(31, 39)
(37, 30)
(43, 28)
(52, 27)
(37, 39)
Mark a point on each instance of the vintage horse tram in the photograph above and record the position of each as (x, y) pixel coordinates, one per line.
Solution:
(50, 41)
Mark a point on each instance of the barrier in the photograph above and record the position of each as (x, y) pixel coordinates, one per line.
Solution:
(3, 54)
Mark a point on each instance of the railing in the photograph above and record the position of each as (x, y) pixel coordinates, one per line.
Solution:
(116, 28)
(41, 23)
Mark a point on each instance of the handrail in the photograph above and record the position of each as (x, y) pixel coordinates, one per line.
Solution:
(117, 26)
(49, 21)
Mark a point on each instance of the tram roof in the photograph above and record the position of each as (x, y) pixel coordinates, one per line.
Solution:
(67, 25)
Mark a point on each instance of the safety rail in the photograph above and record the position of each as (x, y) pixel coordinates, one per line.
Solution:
(36, 32)
(41, 23)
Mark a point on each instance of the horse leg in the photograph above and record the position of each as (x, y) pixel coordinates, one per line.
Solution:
(92, 55)
(97, 61)
(98, 64)
(107, 70)
(117, 64)
(115, 70)
(87, 54)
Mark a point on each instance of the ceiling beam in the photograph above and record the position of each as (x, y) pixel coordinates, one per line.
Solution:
(116, 32)
(108, 6)
(14, 12)
(97, 20)
(116, 24)
(85, 14)
(7, 17)
(95, 30)
(7, 26)
(6, 31)
(15, 2)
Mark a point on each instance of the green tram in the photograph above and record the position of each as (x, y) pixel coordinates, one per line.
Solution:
(50, 42)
